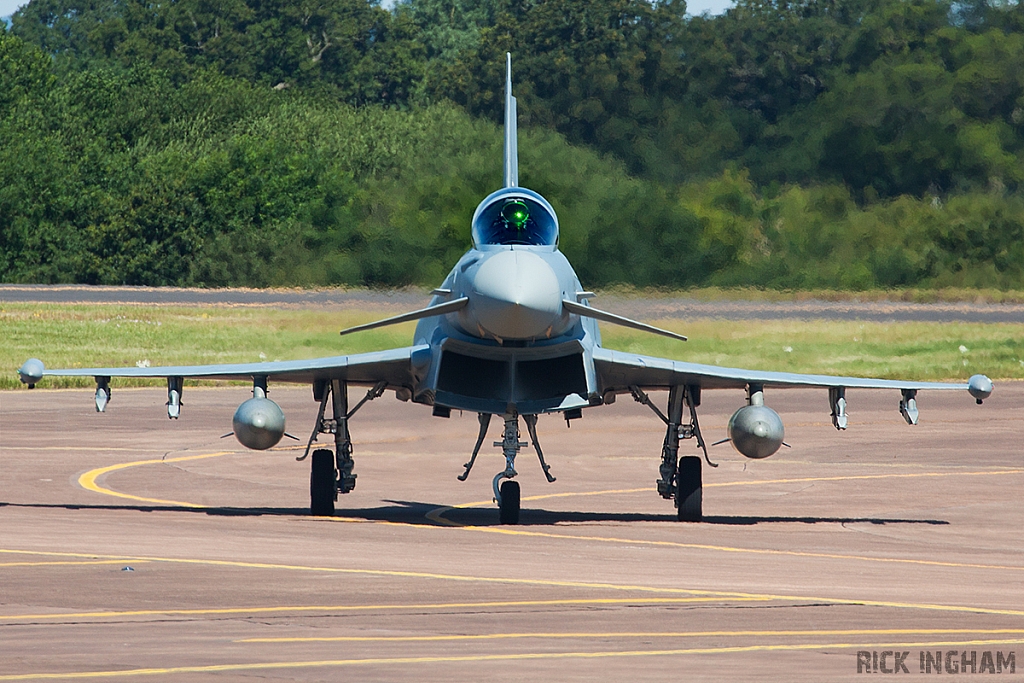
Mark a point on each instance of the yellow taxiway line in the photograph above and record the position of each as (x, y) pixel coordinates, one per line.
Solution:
(643, 634)
(395, 573)
(553, 583)
(757, 482)
(292, 609)
(88, 480)
(734, 549)
(524, 656)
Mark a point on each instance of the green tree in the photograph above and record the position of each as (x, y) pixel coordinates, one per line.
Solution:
(354, 46)
(24, 71)
(590, 70)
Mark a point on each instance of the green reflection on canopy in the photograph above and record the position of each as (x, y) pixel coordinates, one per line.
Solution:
(515, 213)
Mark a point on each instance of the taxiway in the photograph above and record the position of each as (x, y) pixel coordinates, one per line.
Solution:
(133, 547)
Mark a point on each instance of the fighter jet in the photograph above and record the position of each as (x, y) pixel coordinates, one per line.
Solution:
(510, 333)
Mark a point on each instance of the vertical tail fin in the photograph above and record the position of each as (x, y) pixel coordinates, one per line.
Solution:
(511, 135)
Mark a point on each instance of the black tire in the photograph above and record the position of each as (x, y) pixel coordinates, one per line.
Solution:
(509, 510)
(322, 484)
(689, 496)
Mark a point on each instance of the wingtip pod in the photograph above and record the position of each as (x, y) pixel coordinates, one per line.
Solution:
(980, 387)
(31, 371)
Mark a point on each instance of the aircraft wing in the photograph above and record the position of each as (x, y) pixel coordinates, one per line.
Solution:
(618, 370)
(393, 366)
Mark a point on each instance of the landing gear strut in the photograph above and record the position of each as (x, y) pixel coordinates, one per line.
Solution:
(485, 421)
(507, 495)
(680, 476)
(331, 473)
(531, 427)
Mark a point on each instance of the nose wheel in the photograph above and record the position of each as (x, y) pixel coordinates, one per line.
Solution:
(507, 493)
(508, 503)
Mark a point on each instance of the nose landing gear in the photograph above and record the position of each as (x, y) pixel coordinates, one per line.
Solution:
(508, 503)
(507, 494)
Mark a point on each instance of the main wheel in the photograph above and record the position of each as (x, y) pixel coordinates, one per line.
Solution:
(322, 484)
(509, 510)
(689, 497)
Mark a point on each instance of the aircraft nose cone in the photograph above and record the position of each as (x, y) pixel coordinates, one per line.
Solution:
(516, 296)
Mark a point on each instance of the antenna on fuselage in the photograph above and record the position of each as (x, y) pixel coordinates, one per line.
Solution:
(511, 136)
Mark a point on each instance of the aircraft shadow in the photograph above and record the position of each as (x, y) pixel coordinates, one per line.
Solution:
(214, 511)
(414, 512)
(399, 512)
(741, 520)
(540, 517)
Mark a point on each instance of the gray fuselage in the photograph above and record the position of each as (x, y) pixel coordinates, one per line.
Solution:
(513, 348)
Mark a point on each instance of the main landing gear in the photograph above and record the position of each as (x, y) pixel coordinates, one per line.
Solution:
(507, 493)
(331, 473)
(680, 476)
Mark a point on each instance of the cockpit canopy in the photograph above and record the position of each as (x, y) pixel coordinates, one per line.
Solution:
(515, 215)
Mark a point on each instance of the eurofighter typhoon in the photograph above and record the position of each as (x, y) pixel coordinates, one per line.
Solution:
(510, 333)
